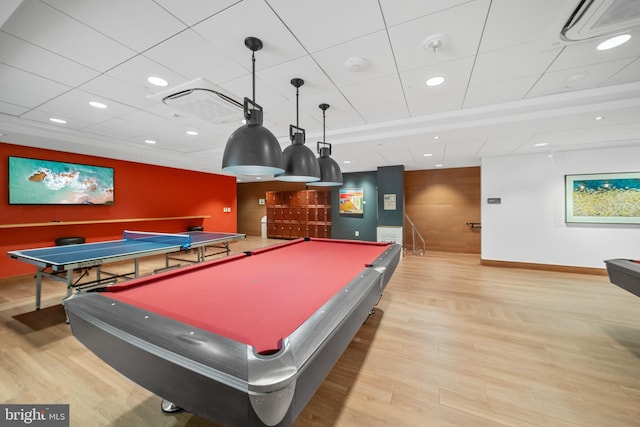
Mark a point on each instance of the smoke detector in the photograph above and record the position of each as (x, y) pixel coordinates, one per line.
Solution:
(202, 99)
(356, 64)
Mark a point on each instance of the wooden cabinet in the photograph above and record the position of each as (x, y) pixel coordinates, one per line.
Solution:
(302, 213)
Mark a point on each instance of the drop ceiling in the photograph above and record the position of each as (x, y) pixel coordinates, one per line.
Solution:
(513, 84)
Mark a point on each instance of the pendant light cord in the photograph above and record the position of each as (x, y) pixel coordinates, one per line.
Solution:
(297, 122)
(253, 72)
(323, 127)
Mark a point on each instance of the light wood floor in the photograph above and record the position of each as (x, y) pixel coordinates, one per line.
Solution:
(452, 343)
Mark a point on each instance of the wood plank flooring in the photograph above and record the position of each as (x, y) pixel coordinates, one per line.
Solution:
(452, 343)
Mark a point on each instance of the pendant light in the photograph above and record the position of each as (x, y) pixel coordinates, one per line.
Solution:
(300, 163)
(330, 174)
(252, 149)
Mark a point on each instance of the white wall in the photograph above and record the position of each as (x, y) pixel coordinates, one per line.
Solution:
(528, 226)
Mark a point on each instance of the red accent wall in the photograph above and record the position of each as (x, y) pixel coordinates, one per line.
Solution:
(141, 191)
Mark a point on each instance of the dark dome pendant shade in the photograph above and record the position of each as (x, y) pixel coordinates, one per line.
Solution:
(252, 149)
(300, 162)
(330, 174)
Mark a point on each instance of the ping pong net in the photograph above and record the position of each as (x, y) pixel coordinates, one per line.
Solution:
(182, 240)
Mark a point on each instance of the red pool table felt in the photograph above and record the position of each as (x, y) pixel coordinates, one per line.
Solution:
(257, 299)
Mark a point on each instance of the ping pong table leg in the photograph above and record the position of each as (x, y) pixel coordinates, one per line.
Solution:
(38, 287)
(69, 281)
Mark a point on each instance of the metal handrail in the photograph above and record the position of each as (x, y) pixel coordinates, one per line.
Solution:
(420, 250)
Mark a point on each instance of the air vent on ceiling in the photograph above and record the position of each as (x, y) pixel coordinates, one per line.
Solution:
(204, 100)
(596, 18)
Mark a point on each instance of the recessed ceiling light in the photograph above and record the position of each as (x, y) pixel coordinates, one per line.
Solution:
(427, 155)
(436, 137)
(54, 120)
(614, 42)
(258, 177)
(192, 132)
(157, 81)
(439, 165)
(97, 104)
(149, 141)
(599, 117)
(435, 81)
(347, 162)
(541, 144)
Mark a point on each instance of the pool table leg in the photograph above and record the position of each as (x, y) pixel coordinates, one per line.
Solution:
(169, 407)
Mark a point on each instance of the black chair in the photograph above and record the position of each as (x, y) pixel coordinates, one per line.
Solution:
(62, 241)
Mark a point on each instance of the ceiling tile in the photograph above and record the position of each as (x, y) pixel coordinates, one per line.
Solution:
(456, 74)
(12, 109)
(128, 84)
(7, 7)
(577, 78)
(75, 104)
(258, 20)
(499, 92)
(25, 89)
(513, 62)
(372, 93)
(42, 115)
(373, 48)
(40, 24)
(627, 74)
(503, 145)
(396, 12)
(197, 10)
(384, 112)
(513, 22)
(137, 24)
(189, 55)
(28, 57)
(458, 29)
(314, 34)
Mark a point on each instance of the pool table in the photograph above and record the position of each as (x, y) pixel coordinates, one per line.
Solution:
(245, 340)
(624, 273)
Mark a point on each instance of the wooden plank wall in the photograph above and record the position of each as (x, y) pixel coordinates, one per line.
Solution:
(440, 202)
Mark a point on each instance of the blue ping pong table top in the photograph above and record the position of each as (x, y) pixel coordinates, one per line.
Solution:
(84, 252)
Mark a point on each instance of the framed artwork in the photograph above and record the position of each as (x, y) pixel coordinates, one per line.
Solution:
(610, 198)
(48, 182)
(389, 202)
(352, 201)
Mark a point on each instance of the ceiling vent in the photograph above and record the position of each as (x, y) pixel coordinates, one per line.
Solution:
(596, 18)
(204, 100)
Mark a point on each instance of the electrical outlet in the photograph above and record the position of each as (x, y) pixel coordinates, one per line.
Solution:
(357, 233)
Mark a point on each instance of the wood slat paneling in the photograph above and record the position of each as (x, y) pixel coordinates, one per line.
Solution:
(440, 202)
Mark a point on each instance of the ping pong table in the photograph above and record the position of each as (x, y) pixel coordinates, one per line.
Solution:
(54, 261)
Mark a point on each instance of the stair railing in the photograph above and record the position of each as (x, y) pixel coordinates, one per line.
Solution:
(418, 244)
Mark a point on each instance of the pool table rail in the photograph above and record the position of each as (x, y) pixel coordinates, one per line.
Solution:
(624, 273)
